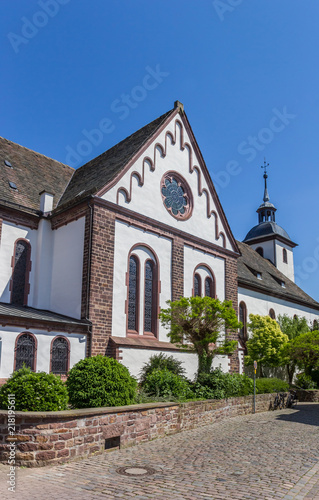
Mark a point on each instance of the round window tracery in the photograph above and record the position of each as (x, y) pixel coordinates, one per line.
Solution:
(176, 196)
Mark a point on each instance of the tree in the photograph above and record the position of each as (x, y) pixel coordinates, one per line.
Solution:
(304, 350)
(292, 327)
(196, 324)
(267, 342)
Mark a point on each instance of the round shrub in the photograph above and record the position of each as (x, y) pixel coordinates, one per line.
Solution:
(269, 385)
(34, 391)
(100, 381)
(159, 362)
(220, 385)
(164, 383)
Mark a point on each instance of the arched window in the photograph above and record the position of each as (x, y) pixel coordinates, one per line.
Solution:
(150, 297)
(315, 325)
(272, 314)
(284, 256)
(20, 273)
(243, 320)
(260, 250)
(197, 285)
(133, 294)
(209, 287)
(60, 354)
(25, 351)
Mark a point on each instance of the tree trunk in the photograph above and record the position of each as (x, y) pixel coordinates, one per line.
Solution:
(204, 363)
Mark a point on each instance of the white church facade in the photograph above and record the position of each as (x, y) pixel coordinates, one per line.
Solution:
(89, 256)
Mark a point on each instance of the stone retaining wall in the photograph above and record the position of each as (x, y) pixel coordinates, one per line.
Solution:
(42, 438)
(308, 396)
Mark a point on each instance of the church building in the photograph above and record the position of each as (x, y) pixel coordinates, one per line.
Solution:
(89, 256)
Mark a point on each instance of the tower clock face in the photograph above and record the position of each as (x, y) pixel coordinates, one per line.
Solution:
(177, 196)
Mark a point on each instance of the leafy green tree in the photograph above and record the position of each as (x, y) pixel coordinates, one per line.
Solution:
(292, 327)
(267, 342)
(196, 324)
(304, 350)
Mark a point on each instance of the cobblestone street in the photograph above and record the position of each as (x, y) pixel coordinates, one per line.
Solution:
(269, 455)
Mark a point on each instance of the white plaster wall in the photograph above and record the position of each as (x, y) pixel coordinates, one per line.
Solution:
(125, 238)
(194, 257)
(258, 303)
(67, 259)
(8, 338)
(147, 199)
(268, 247)
(10, 233)
(43, 266)
(286, 269)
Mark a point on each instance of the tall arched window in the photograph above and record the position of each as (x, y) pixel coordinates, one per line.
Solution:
(272, 314)
(149, 297)
(260, 250)
(133, 294)
(209, 287)
(25, 351)
(243, 320)
(197, 285)
(20, 273)
(284, 256)
(60, 353)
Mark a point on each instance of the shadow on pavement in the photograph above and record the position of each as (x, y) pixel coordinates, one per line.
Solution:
(303, 413)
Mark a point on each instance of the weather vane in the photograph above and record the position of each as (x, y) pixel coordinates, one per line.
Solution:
(265, 166)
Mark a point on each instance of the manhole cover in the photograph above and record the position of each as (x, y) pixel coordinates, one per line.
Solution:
(135, 471)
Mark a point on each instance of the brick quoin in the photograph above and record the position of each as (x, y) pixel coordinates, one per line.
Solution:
(231, 293)
(101, 279)
(177, 268)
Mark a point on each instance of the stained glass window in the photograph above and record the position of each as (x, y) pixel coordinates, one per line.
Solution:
(60, 356)
(133, 294)
(148, 297)
(243, 320)
(197, 285)
(209, 288)
(21, 260)
(175, 198)
(25, 352)
(272, 314)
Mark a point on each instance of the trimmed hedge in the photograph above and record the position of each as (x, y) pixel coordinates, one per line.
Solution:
(220, 385)
(269, 385)
(34, 391)
(100, 381)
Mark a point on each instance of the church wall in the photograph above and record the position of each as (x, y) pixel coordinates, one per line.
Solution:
(286, 269)
(193, 258)
(67, 258)
(268, 247)
(125, 238)
(9, 335)
(10, 233)
(140, 187)
(258, 303)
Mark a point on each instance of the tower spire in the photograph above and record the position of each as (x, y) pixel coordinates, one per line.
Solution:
(264, 166)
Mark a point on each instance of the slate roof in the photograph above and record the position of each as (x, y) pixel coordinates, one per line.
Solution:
(32, 173)
(95, 174)
(251, 261)
(266, 229)
(14, 311)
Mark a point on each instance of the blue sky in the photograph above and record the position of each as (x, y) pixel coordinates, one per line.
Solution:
(246, 71)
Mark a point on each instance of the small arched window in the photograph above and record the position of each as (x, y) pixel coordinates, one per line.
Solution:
(284, 256)
(60, 355)
(272, 314)
(315, 325)
(25, 351)
(150, 306)
(197, 285)
(260, 250)
(243, 320)
(209, 287)
(20, 273)
(133, 294)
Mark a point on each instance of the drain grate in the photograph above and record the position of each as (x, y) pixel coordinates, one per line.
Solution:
(135, 471)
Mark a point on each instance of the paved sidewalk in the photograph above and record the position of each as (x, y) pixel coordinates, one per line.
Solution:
(272, 455)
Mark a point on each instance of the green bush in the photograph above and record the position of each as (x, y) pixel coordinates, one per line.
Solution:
(159, 362)
(305, 381)
(164, 383)
(34, 391)
(220, 385)
(269, 385)
(100, 381)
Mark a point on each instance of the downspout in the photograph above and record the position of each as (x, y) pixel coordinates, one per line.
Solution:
(88, 277)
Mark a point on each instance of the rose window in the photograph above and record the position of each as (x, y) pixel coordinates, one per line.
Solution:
(176, 196)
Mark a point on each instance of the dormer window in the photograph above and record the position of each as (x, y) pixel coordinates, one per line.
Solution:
(259, 276)
(13, 185)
